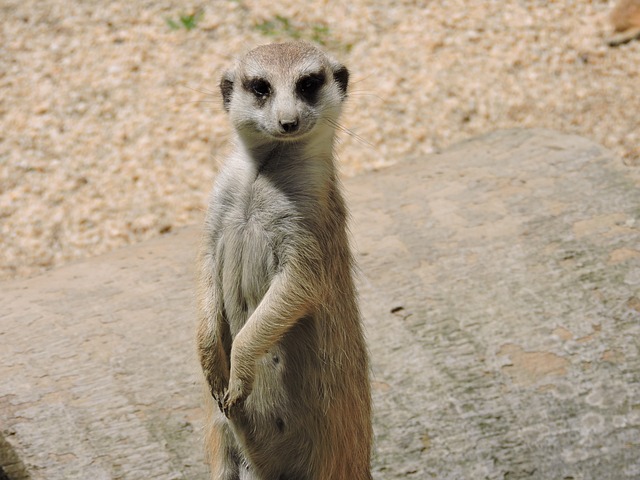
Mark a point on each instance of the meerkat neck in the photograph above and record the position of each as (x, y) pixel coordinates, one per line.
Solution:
(289, 156)
(303, 169)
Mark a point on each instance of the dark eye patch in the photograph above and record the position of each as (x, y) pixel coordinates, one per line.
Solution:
(259, 87)
(309, 86)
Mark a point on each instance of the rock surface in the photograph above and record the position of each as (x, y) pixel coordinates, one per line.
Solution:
(500, 285)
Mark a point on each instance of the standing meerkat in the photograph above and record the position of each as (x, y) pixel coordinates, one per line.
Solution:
(280, 337)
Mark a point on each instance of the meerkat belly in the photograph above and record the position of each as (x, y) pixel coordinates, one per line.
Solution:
(248, 268)
(250, 265)
(286, 373)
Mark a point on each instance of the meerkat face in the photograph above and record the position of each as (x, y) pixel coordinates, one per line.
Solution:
(284, 92)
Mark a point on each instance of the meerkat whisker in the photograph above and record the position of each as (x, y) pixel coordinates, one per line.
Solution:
(203, 91)
(349, 132)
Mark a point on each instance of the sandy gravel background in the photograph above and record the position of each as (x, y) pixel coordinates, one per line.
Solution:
(111, 128)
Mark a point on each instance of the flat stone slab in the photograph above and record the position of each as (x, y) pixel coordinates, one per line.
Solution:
(500, 285)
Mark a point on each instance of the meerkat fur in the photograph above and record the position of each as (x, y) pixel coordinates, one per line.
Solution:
(280, 338)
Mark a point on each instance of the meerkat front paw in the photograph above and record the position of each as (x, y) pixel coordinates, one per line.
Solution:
(241, 375)
(216, 375)
(234, 397)
(218, 389)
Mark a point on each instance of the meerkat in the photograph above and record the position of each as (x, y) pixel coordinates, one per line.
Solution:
(280, 338)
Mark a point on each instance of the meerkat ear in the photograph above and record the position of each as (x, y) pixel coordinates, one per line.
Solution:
(341, 76)
(226, 88)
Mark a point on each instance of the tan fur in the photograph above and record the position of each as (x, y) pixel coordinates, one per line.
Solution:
(626, 15)
(280, 338)
(625, 18)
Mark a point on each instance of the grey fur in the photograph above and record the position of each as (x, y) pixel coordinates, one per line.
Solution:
(280, 337)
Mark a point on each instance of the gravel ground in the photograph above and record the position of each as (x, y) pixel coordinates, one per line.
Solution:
(111, 128)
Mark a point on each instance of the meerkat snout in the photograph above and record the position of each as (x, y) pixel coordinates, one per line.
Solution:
(287, 112)
(289, 125)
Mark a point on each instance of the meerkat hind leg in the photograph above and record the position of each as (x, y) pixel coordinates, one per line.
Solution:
(226, 459)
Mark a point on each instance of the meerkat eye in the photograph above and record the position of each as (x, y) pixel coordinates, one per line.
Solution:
(309, 86)
(259, 87)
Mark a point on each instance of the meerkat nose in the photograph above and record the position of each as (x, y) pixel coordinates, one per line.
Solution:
(289, 126)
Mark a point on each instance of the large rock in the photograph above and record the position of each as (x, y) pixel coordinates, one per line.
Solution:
(500, 284)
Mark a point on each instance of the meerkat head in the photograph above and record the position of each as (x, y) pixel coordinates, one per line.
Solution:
(284, 91)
